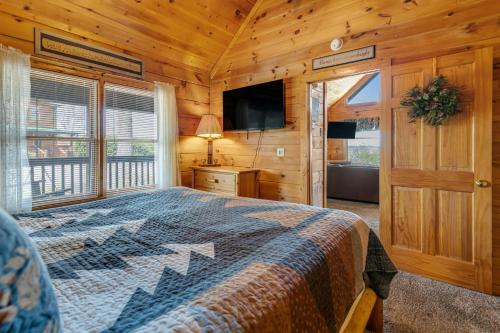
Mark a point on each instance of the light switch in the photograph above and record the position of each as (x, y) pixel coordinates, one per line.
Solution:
(280, 152)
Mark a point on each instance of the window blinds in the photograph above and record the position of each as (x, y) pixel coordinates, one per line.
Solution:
(131, 136)
(61, 134)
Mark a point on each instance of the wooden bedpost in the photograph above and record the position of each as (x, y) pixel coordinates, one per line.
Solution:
(376, 320)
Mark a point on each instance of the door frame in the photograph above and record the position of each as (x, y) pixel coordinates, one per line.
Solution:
(330, 74)
(384, 65)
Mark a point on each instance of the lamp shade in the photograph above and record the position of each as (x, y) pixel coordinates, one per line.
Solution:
(209, 127)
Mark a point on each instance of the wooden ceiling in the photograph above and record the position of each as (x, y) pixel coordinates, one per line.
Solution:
(192, 34)
(283, 36)
(237, 37)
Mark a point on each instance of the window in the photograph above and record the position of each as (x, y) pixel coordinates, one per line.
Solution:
(365, 149)
(131, 136)
(368, 93)
(61, 137)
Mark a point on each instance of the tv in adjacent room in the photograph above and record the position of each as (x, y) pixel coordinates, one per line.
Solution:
(341, 130)
(257, 107)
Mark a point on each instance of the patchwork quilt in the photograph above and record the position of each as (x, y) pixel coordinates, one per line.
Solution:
(183, 260)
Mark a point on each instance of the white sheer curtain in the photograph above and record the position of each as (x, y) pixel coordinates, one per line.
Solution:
(15, 91)
(167, 167)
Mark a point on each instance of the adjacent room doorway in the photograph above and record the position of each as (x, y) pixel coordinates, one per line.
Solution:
(345, 118)
(435, 188)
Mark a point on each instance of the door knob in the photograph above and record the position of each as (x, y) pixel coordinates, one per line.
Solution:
(482, 183)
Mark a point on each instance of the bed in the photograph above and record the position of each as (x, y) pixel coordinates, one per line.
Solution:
(183, 260)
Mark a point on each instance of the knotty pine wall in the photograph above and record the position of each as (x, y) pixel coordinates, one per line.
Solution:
(192, 87)
(284, 37)
(281, 178)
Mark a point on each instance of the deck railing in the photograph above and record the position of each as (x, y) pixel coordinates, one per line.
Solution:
(74, 175)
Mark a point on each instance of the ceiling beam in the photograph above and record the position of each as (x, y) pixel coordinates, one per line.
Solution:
(241, 28)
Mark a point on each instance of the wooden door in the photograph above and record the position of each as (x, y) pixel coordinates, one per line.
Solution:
(317, 144)
(435, 219)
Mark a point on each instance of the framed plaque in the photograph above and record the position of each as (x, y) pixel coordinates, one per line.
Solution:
(343, 58)
(64, 48)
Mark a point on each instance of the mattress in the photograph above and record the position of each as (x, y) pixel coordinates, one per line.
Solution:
(183, 260)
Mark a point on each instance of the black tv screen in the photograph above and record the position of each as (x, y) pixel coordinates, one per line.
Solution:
(341, 130)
(257, 107)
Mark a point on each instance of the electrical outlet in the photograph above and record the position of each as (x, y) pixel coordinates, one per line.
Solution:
(280, 152)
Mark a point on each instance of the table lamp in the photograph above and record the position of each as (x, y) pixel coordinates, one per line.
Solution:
(209, 128)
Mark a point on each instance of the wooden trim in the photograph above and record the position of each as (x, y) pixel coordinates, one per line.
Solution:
(385, 188)
(101, 158)
(309, 143)
(236, 36)
(65, 203)
(328, 74)
(358, 114)
(366, 67)
(483, 103)
(366, 310)
(325, 146)
(376, 320)
(62, 68)
(127, 81)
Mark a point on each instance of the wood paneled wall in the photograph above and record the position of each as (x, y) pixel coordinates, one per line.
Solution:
(337, 150)
(285, 36)
(191, 86)
(281, 178)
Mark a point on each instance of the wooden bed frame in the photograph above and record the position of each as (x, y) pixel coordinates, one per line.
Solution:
(367, 313)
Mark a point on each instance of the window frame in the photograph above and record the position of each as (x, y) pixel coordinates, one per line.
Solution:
(92, 140)
(115, 192)
(352, 94)
(100, 151)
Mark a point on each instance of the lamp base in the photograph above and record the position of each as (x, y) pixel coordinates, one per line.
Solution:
(209, 165)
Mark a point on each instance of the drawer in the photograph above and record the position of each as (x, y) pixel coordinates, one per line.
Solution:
(215, 181)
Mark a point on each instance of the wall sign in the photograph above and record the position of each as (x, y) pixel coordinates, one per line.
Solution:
(52, 45)
(344, 57)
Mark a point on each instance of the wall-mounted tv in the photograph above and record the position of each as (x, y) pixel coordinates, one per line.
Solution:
(257, 107)
(341, 130)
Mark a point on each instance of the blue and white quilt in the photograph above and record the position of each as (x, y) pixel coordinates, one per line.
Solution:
(188, 261)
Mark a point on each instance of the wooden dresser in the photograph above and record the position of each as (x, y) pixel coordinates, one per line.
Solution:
(226, 180)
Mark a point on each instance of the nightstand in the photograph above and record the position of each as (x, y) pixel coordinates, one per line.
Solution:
(226, 180)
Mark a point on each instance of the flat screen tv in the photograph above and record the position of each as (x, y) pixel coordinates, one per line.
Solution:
(341, 130)
(257, 107)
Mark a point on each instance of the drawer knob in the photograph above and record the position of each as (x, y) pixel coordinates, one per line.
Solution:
(215, 180)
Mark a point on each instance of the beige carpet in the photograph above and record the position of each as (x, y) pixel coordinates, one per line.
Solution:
(417, 304)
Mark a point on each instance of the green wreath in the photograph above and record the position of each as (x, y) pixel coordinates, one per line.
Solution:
(434, 103)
